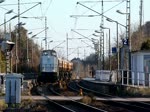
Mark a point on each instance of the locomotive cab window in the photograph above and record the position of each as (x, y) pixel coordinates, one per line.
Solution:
(45, 53)
(53, 53)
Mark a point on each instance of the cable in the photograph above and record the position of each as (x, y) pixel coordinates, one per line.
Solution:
(29, 11)
(8, 10)
(20, 13)
(90, 7)
(41, 10)
(114, 6)
(110, 8)
(48, 7)
(20, 4)
(101, 1)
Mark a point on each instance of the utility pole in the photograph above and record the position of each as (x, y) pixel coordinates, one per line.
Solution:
(78, 53)
(141, 17)
(128, 19)
(18, 36)
(27, 54)
(45, 33)
(102, 39)
(67, 44)
(141, 13)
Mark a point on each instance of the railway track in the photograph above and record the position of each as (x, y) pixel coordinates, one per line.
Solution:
(94, 103)
(131, 106)
(67, 106)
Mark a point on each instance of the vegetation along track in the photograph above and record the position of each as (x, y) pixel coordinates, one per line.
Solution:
(67, 106)
(130, 106)
(87, 99)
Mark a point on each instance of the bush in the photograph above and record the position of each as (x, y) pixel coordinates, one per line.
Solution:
(3, 105)
(86, 100)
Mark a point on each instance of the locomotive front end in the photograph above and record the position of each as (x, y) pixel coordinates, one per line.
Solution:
(48, 66)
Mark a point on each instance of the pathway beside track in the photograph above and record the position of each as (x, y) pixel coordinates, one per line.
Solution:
(63, 98)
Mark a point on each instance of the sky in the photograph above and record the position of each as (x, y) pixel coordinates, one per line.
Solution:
(60, 23)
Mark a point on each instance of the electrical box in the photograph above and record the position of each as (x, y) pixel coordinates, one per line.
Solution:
(13, 88)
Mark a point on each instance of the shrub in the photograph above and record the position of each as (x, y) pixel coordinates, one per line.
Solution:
(3, 105)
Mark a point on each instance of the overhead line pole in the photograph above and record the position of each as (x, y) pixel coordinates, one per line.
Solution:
(67, 44)
(17, 36)
(19, 44)
(45, 33)
(101, 64)
(129, 37)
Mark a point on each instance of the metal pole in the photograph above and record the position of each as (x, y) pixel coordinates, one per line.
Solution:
(103, 65)
(109, 51)
(10, 51)
(27, 55)
(67, 44)
(32, 57)
(130, 46)
(117, 51)
(45, 33)
(4, 24)
(129, 39)
(41, 45)
(7, 54)
(19, 45)
(109, 46)
(102, 38)
(16, 52)
(99, 52)
(78, 52)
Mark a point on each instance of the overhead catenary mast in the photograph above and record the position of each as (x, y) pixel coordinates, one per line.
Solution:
(141, 13)
(140, 17)
(67, 44)
(101, 43)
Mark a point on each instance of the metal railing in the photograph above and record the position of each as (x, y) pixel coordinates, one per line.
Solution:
(134, 78)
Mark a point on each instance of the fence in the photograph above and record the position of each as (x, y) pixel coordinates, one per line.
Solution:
(135, 78)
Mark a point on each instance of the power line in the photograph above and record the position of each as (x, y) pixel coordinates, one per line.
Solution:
(20, 3)
(20, 14)
(48, 7)
(101, 1)
(103, 12)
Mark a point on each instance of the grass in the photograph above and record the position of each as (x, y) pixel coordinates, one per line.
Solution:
(86, 100)
(3, 105)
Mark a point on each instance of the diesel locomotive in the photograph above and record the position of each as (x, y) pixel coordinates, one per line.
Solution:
(53, 68)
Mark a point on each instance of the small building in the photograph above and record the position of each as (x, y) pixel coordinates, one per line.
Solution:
(140, 67)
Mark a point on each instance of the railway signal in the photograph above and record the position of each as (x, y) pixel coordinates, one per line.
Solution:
(7, 46)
